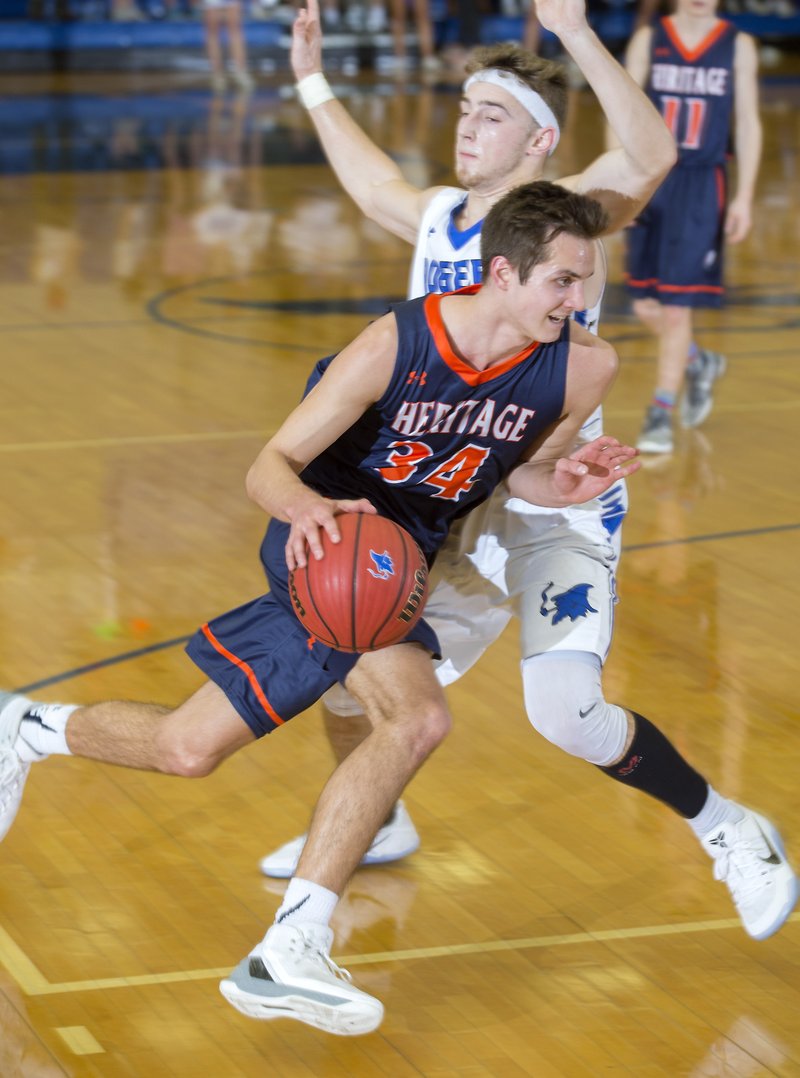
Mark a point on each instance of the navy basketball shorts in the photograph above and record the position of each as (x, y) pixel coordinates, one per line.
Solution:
(674, 248)
(264, 660)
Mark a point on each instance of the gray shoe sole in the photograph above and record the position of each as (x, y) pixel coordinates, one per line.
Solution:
(346, 1019)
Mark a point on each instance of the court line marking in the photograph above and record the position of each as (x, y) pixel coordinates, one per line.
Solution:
(79, 1040)
(162, 645)
(100, 664)
(33, 983)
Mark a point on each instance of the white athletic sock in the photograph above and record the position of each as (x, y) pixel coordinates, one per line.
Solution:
(305, 901)
(717, 810)
(43, 731)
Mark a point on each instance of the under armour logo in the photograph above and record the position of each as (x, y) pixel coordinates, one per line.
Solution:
(421, 377)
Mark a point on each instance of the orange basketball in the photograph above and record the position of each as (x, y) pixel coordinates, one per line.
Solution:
(369, 589)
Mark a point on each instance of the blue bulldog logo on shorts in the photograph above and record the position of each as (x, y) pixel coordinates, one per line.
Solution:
(572, 604)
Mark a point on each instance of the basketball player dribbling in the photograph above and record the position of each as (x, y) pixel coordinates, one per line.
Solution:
(508, 382)
(511, 552)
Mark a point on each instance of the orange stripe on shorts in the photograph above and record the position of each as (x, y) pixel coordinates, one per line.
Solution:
(248, 673)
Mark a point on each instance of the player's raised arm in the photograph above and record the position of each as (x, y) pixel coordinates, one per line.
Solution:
(368, 175)
(624, 178)
(355, 379)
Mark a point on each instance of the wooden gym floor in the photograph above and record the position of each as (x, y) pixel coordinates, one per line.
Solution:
(172, 265)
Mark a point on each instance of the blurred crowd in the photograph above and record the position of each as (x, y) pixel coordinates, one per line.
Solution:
(353, 16)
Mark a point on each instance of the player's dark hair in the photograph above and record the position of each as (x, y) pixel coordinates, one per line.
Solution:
(523, 224)
(548, 79)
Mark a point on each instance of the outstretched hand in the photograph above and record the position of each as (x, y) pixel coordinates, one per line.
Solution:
(306, 51)
(593, 468)
(310, 517)
(561, 17)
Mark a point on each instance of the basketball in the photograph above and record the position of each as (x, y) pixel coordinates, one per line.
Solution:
(369, 589)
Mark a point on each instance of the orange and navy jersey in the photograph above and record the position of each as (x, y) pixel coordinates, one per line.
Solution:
(693, 90)
(444, 434)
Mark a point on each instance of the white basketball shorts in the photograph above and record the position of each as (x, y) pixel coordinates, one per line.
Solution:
(554, 568)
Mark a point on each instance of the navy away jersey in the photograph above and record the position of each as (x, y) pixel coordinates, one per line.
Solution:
(693, 90)
(443, 435)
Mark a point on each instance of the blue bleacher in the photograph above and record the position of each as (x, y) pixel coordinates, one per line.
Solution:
(89, 30)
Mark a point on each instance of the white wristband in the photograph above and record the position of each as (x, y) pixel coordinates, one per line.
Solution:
(314, 90)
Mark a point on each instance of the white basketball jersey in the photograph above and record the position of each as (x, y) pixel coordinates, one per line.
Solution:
(446, 259)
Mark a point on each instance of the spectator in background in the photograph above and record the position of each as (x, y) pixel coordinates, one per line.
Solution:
(126, 11)
(423, 24)
(331, 15)
(219, 16)
(373, 18)
(469, 34)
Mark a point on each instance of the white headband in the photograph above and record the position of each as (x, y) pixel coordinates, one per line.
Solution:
(532, 102)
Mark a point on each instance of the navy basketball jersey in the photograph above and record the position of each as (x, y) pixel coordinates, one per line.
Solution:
(693, 90)
(444, 434)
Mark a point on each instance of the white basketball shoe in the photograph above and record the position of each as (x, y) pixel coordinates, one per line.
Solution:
(13, 770)
(749, 857)
(396, 839)
(291, 974)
